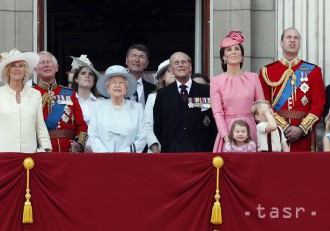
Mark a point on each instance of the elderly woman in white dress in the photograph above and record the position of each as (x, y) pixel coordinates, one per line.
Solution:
(117, 124)
(164, 76)
(22, 124)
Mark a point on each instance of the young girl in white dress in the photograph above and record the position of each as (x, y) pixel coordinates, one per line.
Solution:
(240, 138)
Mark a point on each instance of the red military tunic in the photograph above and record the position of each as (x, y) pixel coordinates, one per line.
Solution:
(71, 125)
(304, 107)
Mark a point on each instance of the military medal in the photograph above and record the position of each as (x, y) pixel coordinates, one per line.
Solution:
(304, 87)
(68, 100)
(190, 103)
(60, 99)
(306, 76)
(67, 110)
(302, 76)
(304, 100)
(65, 118)
(197, 102)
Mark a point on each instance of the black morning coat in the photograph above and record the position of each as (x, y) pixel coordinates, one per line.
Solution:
(180, 128)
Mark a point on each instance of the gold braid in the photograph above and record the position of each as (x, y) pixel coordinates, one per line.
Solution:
(45, 99)
(284, 79)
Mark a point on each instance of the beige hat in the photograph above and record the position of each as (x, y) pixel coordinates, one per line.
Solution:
(31, 58)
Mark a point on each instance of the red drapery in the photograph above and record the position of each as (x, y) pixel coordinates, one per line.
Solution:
(273, 191)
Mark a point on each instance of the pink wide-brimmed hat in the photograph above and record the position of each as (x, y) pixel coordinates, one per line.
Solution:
(232, 39)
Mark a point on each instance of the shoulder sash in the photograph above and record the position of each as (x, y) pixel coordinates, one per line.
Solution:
(57, 111)
(304, 67)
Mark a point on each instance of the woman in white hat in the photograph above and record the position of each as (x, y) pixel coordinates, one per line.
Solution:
(117, 124)
(22, 124)
(164, 77)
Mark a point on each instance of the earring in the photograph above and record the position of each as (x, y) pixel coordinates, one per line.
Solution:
(224, 62)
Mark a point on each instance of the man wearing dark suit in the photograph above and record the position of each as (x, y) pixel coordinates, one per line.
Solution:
(183, 120)
(137, 60)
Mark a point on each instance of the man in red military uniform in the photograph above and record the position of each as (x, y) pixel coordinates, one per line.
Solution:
(62, 112)
(295, 89)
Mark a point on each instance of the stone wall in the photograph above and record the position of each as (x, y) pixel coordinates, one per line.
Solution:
(16, 23)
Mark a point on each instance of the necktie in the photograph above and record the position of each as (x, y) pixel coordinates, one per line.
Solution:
(136, 96)
(184, 93)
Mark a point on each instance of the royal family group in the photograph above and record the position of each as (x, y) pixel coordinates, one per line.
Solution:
(275, 110)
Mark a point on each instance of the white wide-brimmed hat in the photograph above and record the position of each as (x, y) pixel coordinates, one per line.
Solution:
(116, 70)
(31, 58)
(83, 61)
(162, 68)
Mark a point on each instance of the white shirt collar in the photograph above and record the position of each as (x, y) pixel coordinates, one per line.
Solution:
(91, 97)
(188, 84)
(139, 80)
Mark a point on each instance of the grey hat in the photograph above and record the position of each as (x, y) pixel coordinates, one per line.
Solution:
(116, 70)
(162, 68)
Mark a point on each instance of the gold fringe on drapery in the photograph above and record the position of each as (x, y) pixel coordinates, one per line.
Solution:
(216, 217)
(27, 212)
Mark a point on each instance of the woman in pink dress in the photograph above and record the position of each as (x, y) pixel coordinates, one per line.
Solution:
(234, 91)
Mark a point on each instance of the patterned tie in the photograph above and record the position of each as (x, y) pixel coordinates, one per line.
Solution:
(184, 93)
(136, 96)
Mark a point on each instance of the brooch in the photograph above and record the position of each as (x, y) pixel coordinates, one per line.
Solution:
(304, 87)
(304, 100)
(206, 121)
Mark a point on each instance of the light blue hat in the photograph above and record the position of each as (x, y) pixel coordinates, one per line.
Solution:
(116, 70)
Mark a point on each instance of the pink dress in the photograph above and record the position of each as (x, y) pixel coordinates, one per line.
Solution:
(232, 99)
(247, 147)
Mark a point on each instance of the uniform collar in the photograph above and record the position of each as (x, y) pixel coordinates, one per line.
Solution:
(47, 86)
(291, 63)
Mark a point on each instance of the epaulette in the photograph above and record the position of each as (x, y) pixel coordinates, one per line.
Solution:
(313, 64)
(268, 65)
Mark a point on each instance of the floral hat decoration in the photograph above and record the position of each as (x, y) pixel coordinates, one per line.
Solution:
(232, 39)
(31, 58)
(83, 61)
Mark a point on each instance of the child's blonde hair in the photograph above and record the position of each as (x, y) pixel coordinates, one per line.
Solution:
(256, 105)
(243, 124)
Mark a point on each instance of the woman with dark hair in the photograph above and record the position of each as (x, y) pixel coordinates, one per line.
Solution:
(234, 91)
(84, 83)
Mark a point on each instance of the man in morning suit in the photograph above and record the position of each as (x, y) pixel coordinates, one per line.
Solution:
(62, 113)
(137, 60)
(296, 90)
(183, 120)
